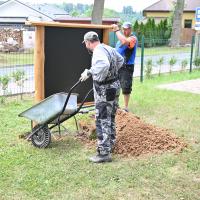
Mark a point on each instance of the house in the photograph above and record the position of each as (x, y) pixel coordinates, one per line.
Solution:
(50, 10)
(17, 12)
(14, 13)
(163, 9)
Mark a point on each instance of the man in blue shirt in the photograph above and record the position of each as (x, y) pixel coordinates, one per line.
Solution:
(126, 46)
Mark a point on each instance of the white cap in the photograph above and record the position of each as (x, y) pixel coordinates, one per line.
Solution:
(127, 25)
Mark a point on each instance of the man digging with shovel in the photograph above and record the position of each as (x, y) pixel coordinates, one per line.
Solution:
(106, 62)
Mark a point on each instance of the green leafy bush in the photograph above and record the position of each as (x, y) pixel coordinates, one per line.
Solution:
(196, 61)
(160, 62)
(19, 78)
(184, 64)
(4, 81)
(172, 62)
(148, 68)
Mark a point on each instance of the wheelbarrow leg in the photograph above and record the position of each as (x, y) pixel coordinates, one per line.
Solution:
(76, 123)
(59, 130)
(59, 127)
(31, 125)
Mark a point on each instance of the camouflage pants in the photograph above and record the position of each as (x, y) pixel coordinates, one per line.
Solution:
(106, 103)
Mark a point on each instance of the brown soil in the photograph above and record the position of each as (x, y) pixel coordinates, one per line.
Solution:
(134, 137)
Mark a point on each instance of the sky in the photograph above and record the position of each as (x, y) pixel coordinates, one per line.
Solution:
(117, 5)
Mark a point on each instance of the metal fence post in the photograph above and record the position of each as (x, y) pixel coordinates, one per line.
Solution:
(191, 56)
(142, 59)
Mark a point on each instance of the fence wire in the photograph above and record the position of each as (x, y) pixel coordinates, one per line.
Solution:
(17, 67)
(16, 72)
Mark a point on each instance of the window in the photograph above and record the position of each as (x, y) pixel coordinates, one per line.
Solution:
(188, 23)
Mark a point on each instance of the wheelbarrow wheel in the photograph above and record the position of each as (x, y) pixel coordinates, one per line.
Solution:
(41, 138)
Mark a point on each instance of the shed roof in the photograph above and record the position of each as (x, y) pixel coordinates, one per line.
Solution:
(114, 20)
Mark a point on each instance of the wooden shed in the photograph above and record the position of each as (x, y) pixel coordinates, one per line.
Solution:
(60, 57)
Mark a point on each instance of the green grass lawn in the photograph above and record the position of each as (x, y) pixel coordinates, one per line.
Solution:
(9, 59)
(62, 171)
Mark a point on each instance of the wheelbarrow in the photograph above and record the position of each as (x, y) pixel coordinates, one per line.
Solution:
(51, 112)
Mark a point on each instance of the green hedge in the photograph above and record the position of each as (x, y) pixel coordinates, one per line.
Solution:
(157, 34)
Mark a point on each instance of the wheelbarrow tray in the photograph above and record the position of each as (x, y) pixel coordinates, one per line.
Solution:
(50, 108)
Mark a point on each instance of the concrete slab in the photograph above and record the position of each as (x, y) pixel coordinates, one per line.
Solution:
(192, 86)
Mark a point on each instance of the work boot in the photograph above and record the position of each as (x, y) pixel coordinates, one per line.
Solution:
(101, 158)
(126, 109)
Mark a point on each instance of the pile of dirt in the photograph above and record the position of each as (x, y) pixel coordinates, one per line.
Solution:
(134, 137)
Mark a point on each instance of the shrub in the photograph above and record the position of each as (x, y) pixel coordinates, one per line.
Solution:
(4, 81)
(19, 78)
(172, 62)
(2, 100)
(184, 64)
(196, 61)
(148, 68)
(160, 62)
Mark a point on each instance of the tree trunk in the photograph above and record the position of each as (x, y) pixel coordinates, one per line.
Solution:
(177, 23)
(97, 12)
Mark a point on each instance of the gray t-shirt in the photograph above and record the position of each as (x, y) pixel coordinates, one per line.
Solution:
(101, 59)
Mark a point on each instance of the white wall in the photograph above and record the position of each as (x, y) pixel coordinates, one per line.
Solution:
(28, 39)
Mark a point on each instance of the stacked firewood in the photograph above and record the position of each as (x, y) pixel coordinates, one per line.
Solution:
(11, 39)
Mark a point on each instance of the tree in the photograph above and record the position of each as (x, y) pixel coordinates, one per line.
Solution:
(97, 12)
(75, 13)
(127, 10)
(136, 26)
(177, 23)
(110, 13)
(88, 12)
(80, 7)
(68, 7)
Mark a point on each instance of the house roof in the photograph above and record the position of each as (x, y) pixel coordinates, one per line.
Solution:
(48, 10)
(1, 2)
(167, 6)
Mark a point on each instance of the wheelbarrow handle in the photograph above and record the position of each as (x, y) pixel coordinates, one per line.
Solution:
(74, 113)
(74, 86)
(68, 96)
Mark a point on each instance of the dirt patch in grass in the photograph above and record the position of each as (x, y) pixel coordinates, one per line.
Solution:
(134, 137)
